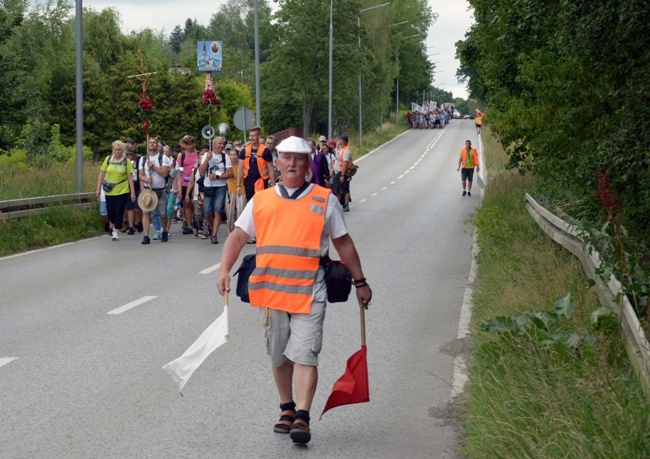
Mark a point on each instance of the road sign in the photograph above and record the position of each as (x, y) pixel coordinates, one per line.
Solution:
(243, 119)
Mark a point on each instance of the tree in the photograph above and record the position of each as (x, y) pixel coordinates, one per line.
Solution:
(561, 106)
(12, 75)
(175, 39)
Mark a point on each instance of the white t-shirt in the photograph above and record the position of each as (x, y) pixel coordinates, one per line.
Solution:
(216, 166)
(334, 228)
(158, 180)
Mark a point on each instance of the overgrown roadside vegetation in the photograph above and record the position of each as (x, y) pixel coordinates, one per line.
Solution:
(529, 399)
(58, 224)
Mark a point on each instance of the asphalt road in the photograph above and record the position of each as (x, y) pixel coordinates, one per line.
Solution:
(78, 382)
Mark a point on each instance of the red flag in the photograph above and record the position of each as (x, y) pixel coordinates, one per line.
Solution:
(352, 387)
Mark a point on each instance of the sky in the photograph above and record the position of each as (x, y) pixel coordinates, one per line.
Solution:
(454, 19)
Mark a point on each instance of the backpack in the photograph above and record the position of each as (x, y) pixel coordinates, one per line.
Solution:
(200, 182)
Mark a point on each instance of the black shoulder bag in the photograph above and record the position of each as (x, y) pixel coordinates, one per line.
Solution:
(337, 279)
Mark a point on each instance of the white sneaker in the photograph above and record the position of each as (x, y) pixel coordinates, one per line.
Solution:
(116, 235)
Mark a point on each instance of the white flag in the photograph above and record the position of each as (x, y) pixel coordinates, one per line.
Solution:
(214, 336)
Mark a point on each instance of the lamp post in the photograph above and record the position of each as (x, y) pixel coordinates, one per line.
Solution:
(359, 35)
(329, 101)
(258, 110)
(79, 95)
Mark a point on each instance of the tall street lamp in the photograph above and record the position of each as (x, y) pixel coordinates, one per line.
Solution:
(329, 83)
(359, 34)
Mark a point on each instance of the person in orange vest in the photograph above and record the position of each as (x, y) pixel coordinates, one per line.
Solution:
(293, 223)
(478, 120)
(467, 162)
(256, 168)
(256, 165)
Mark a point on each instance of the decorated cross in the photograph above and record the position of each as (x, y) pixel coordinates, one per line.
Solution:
(145, 102)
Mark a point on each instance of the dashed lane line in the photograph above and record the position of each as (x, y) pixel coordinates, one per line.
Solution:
(210, 269)
(6, 360)
(131, 305)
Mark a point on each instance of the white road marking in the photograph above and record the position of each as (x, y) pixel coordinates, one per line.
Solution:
(460, 368)
(406, 172)
(398, 178)
(6, 360)
(210, 269)
(131, 305)
(393, 182)
(16, 255)
(411, 168)
(374, 194)
(363, 200)
(384, 188)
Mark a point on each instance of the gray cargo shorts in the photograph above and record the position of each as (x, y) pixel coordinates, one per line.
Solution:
(294, 337)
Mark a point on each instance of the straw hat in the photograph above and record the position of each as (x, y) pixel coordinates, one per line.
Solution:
(148, 200)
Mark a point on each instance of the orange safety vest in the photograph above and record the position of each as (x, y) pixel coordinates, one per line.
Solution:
(341, 158)
(288, 249)
(463, 157)
(261, 162)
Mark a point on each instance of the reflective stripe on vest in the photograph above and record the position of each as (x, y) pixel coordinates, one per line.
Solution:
(262, 166)
(288, 249)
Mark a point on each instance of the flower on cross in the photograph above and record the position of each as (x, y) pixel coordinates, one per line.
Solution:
(145, 102)
(209, 96)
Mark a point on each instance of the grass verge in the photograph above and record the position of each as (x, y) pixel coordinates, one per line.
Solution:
(527, 400)
(55, 226)
(375, 138)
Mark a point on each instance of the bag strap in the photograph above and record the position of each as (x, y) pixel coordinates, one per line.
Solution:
(285, 193)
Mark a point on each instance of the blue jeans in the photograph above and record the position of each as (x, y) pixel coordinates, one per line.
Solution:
(155, 219)
(215, 203)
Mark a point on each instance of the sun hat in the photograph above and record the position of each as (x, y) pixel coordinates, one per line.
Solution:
(148, 200)
(294, 144)
(322, 139)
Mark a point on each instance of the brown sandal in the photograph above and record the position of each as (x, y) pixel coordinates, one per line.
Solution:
(300, 432)
(285, 422)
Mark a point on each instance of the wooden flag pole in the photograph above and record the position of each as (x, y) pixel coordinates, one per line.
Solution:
(363, 326)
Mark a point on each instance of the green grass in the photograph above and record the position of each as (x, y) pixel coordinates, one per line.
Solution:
(526, 401)
(58, 224)
(54, 178)
(374, 139)
(55, 226)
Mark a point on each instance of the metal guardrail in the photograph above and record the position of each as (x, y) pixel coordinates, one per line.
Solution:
(568, 236)
(16, 208)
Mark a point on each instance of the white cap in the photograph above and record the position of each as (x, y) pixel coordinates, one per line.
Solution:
(294, 144)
